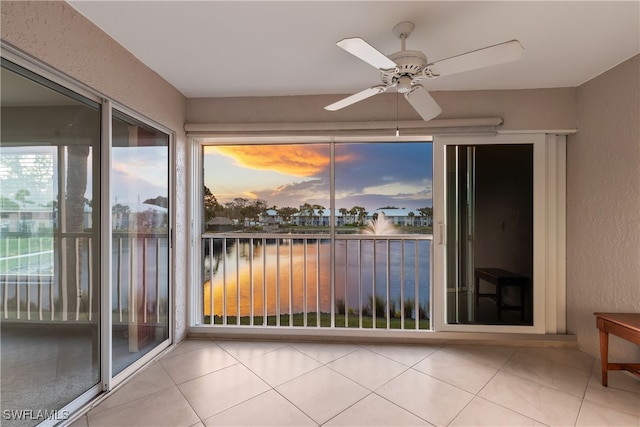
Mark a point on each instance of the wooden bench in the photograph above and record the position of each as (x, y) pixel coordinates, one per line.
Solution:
(623, 325)
(501, 279)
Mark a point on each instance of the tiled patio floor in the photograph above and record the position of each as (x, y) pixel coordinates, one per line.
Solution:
(249, 383)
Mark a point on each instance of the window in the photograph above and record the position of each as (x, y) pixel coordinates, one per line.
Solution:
(317, 234)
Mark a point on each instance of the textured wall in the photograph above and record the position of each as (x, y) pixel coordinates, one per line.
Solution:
(56, 34)
(603, 206)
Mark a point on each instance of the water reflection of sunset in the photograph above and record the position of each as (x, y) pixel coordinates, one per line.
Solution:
(296, 253)
(355, 266)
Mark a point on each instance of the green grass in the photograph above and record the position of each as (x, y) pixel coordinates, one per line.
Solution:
(12, 246)
(325, 321)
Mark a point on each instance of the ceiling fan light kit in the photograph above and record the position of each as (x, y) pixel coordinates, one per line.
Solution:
(406, 68)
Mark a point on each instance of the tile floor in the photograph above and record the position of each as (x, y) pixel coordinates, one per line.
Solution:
(241, 383)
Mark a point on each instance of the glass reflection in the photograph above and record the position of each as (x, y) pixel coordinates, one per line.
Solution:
(140, 251)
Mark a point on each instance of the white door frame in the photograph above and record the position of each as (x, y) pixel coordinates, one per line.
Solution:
(549, 306)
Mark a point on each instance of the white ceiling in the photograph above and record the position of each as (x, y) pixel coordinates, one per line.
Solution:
(267, 48)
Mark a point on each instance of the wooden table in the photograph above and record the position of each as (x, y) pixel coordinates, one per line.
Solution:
(501, 279)
(623, 325)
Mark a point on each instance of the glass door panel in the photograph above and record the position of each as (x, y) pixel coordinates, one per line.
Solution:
(140, 246)
(49, 246)
(489, 215)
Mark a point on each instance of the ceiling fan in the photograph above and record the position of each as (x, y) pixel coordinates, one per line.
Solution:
(406, 68)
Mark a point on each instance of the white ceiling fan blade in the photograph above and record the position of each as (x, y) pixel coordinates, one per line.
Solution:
(423, 103)
(369, 54)
(485, 57)
(356, 97)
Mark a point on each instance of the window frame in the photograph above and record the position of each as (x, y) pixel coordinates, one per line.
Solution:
(549, 224)
(196, 213)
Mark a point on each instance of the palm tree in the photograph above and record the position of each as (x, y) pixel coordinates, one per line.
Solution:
(362, 213)
(286, 213)
(411, 215)
(75, 201)
(426, 213)
(343, 212)
(22, 195)
(353, 212)
(307, 212)
(320, 210)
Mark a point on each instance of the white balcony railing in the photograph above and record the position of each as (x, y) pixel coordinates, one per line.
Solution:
(374, 281)
(35, 274)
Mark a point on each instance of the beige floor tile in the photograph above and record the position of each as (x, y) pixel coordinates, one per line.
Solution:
(325, 353)
(221, 390)
(374, 411)
(457, 371)
(549, 373)
(244, 350)
(219, 382)
(281, 365)
(619, 380)
(533, 400)
(493, 356)
(612, 397)
(481, 412)
(567, 356)
(592, 414)
(322, 393)
(266, 409)
(408, 355)
(187, 346)
(196, 363)
(80, 422)
(427, 397)
(165, 408)
(367, 368)
(152, 379)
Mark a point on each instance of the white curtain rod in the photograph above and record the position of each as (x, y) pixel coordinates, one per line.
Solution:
(407, 127)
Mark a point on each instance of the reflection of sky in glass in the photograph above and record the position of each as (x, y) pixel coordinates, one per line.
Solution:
(139, 173)
(371, 175)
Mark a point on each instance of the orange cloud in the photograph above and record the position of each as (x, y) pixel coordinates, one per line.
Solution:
(298, 160)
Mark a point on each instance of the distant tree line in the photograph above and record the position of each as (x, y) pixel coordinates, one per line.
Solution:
(242, 209)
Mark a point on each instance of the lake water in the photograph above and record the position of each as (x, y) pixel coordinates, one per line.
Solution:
(292, 273)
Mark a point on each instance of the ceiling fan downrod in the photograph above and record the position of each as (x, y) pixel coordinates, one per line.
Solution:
(403, 30)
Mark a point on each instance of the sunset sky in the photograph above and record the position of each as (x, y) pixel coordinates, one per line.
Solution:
(371, 175)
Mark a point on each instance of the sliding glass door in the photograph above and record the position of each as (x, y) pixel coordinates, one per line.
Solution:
(84, 245)
(140, 239)
(494, 202)
(49, 247)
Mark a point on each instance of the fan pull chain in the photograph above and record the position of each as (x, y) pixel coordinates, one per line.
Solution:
(397, 117)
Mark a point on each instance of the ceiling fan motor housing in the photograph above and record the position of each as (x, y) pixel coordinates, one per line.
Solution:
(408, 71)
